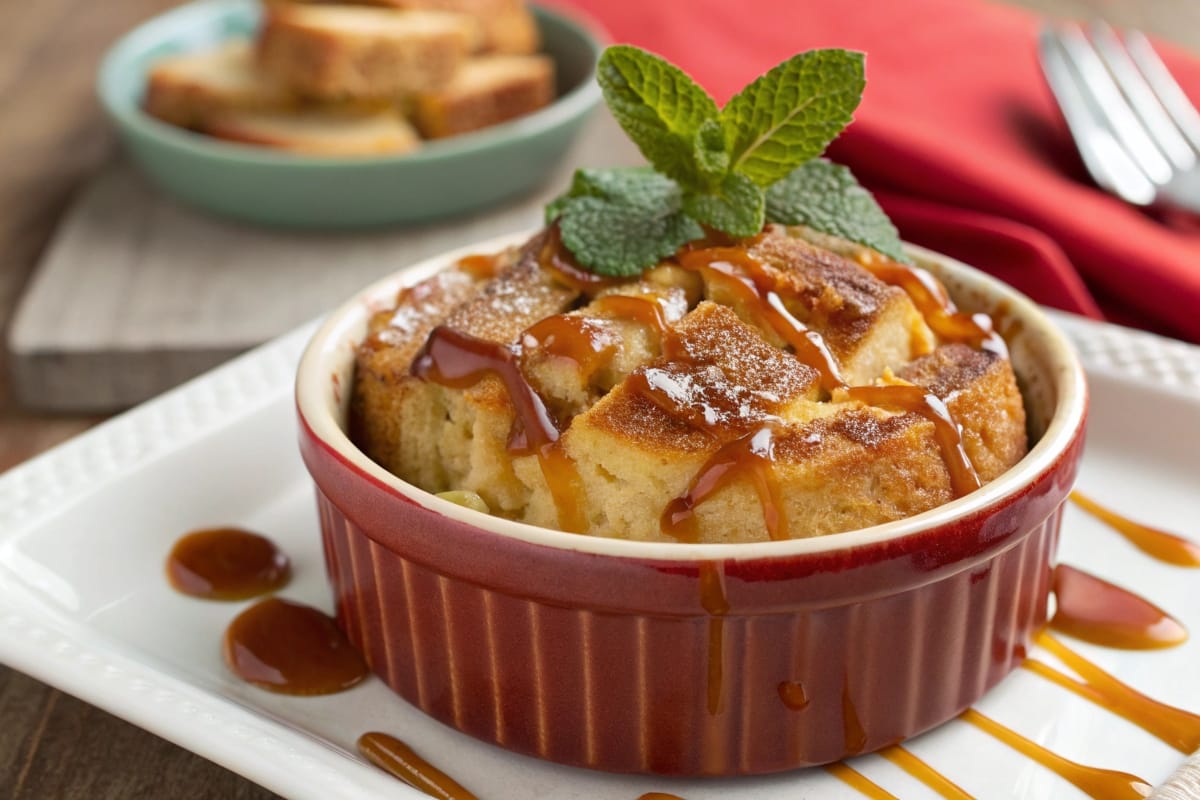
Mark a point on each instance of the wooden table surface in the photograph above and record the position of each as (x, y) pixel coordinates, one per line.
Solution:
(52, 136)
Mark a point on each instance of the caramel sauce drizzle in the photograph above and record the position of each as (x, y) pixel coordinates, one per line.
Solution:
(571, 336)
(963, 477)
(290, 648)
(1099, 612)
(1103, 784)
(481, 267)
(737, 270)
(1159, 544)
(855, 779)
(458, 360)
(716, 605)
(583, 340)
(934, 303)
(1174, 726)
(752, 455)
(400, 761)
(793, 695)
(926, 774)
(226, 564)
(558, 259)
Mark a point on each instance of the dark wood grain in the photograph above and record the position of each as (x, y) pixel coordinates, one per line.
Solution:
(52, 136)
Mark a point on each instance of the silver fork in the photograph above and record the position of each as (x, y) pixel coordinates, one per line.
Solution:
(1135, 129)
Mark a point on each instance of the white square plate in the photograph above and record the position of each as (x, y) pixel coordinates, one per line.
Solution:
(84, 605)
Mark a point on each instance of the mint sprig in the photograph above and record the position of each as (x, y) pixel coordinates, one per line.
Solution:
(792, 113)
(826, 197)
(730, 169)
(617, 222)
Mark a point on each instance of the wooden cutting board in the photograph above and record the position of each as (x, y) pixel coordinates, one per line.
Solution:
(137, 293)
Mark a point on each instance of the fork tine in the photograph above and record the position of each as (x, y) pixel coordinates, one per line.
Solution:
(1099, 87)
(1105, 159)
(1169, 94)
(1141, 96)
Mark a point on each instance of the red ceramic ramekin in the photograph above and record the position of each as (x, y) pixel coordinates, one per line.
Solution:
(709, 659)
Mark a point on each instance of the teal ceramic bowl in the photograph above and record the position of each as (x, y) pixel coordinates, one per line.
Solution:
(284, 189)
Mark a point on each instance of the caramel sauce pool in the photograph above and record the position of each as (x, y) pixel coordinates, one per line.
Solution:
(290, 648)
(401, 761)
(227, 564)
(1099, 612)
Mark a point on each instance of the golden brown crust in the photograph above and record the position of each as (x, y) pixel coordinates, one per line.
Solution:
(484, 92)
(506, 26)
(643, 411)
(347, 52)
(189, 90)
(317, 131)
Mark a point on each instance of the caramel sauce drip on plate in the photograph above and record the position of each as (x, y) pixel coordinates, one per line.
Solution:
(1103, 784)
(924, 773)
(458, 360)
(291, 648)
(1159, 544)
(1174, 726)
(1099, 612)
(852, 777)
(226, 564)
(400, 761)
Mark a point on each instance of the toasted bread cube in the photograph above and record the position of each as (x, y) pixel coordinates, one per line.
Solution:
(188, 90)
(484, 92)
(348, 52)
(319, 131)
(506, 26)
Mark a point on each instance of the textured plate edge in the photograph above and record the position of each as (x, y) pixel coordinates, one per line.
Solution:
(1126, 354)
(67, 654)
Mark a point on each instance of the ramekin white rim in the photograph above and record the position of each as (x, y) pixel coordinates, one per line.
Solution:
(329, 342)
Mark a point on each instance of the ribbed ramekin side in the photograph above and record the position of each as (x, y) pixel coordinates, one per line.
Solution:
(711, 695)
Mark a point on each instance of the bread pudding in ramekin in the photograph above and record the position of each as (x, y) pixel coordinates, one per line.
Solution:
(717, 543)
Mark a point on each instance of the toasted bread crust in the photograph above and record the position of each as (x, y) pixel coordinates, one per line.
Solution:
(345, 52)
(642, 428)
(328, 132)
(484, 92)
(189, 90)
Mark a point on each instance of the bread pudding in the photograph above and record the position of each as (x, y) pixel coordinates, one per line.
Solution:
(785, 385)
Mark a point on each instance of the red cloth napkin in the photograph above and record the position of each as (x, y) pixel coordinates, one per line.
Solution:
(959, 138)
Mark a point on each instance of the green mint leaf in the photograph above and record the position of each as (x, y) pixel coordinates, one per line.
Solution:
(828, 198)
(618, 222)
(792, 113)
(660, 107)
(735, 207)
(712, 160)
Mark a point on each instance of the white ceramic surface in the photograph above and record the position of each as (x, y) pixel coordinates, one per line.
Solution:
(84, 604)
